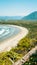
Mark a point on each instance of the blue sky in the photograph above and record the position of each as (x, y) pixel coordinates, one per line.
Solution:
(17, 7)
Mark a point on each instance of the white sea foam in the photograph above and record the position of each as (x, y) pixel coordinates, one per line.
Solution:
(6, 45)
(6, 31)
(2, 31)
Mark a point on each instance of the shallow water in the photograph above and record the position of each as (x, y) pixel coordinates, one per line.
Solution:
(8, 31)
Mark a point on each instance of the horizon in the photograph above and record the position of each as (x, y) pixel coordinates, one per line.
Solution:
(17, 8)
(19, 16)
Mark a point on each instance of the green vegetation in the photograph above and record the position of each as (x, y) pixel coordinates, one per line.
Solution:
(32, 60)
(24, 45)
(4, 60)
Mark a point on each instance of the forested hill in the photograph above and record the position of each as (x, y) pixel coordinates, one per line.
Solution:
(32, 16)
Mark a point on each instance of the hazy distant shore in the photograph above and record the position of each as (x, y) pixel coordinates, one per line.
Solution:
(13, 41)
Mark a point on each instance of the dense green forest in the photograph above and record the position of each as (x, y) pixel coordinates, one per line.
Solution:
(24, 45)
(32, 60)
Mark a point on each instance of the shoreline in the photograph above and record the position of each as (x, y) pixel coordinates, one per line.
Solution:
(13, 41)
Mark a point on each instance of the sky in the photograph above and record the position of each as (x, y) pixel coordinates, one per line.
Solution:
(17, 7)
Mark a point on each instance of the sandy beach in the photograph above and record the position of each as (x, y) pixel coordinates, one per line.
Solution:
(7, 44)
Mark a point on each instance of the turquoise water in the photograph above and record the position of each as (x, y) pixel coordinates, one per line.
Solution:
(8, 31)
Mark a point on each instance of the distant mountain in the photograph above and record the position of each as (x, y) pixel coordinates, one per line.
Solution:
(32, 16)
(10, 17)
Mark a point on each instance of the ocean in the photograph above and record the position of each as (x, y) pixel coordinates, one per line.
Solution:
(7, 31)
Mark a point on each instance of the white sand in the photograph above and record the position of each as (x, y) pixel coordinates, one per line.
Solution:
(7, 44)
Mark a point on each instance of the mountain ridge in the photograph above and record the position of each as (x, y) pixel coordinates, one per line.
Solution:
(10, 17)
(31, 16)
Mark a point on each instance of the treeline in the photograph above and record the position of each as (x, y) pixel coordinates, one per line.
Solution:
(24, 45)
(32, 60)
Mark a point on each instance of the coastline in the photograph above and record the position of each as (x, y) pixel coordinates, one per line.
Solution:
(13, 41)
